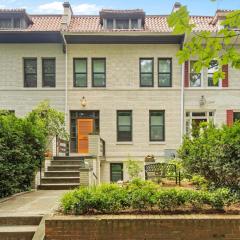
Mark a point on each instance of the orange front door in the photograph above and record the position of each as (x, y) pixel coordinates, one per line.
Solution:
(84, 126)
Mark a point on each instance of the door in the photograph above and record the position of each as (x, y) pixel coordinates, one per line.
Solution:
(85, 127)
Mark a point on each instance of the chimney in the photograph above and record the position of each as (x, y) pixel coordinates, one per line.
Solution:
(67, 15)
(176, 6)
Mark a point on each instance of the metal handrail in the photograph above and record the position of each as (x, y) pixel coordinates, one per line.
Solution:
(62, 146)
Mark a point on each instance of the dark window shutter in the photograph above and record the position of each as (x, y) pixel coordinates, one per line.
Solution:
(229, 118)
(225, 80)
(186, 74)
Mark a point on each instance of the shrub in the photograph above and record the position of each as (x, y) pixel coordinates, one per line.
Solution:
(214, 154)
(22, 147)
(139, 195)
(134, 168)
(199, 181)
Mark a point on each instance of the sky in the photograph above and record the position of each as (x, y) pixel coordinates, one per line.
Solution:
(158, 7)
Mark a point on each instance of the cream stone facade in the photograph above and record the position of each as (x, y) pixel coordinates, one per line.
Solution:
(68, 39)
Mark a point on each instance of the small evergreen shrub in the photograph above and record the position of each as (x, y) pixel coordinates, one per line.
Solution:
(139, 196)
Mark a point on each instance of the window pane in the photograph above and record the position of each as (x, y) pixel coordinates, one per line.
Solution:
(99, 79)
(49, 80)
(124, 126)
(164, 65)
(236, 116)
(157, 133)
(16, 22)
(134, 23)
(116, 172)
(146, 79)
(30, 80)
(80, 80)
(99, 65)
(124, 120)
(122, 24)
(146, 65)
(5, 23)
(211, 83)
(195, 79)
(164, 80)
(80, 65)
(49, 65)
(213, 67)
(157, 120)
(110, 23)
(30, 65)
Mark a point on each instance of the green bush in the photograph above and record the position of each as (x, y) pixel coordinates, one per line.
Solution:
(139, 195)
(22, 147)
(214, 154)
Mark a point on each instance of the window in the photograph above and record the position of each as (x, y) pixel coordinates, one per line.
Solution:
(213, 67)
(236, 116)
(194, 120)
(5, 23)
(122, 23)
(124, 126)
(157, 125)
(99, 72)
(109, 23)
(195, 78)
(48, 72)
(80, 72)
(134, 23)
(16, 22)
(30, 72)
(164, 72)
(146, 72)
(116, 172)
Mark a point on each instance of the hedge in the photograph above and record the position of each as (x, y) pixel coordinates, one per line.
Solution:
(139, 195)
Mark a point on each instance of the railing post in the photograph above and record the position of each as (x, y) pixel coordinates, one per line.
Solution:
(40, 170)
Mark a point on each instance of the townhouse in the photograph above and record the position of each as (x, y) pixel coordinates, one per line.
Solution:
(117, 79)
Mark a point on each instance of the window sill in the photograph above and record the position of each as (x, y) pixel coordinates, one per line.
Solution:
(157, 143)
(124, 143)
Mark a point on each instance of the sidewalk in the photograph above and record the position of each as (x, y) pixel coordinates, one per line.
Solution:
(33, 203)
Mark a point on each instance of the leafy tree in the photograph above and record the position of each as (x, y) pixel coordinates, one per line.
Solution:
(49, 120)
(214, 154)
(206, 46)
(134, 168)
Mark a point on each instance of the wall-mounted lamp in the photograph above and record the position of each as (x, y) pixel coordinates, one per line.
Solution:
(83, 101)
(202, 101)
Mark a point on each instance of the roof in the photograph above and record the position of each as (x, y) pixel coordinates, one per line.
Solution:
(86, 23)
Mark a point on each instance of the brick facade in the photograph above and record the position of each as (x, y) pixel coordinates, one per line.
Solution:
(188, 227)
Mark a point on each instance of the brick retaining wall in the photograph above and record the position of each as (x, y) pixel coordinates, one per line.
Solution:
(178, 227)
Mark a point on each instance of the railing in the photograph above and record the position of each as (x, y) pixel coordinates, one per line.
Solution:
(102, 147)
(62, 147)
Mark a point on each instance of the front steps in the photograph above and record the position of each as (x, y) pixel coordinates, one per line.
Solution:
(63, 173)
(18, 227)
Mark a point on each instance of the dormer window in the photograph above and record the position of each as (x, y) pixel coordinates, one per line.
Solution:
(122, 19)
(14, 19)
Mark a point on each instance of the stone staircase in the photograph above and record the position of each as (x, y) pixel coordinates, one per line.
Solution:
(63, 173)
(18, 227)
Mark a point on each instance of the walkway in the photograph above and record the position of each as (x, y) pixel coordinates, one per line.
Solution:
(34, 203)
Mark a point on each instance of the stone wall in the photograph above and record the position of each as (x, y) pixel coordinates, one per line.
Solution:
(181, 227)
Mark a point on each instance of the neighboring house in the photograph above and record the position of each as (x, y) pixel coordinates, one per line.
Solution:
(115, 75)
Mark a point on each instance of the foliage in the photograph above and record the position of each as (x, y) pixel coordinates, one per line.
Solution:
(139, 195)
(206, 46)
(49, 119)
(199, 181)
(134, 168)
(22, 148)
(214, 154)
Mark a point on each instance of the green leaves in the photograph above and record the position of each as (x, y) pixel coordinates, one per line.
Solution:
(206, 46)
(180, 22)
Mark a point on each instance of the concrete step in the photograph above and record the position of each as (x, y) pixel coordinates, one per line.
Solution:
(64, 168)
(17, 232)
(58, 186)
(67, 162)
(19, 220)
(56, 180)
(62, 174)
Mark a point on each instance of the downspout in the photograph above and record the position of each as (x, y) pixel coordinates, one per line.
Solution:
(66, 82)
(182, 95)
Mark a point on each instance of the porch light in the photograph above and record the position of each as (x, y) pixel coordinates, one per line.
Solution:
(83, 101)
(202, 101)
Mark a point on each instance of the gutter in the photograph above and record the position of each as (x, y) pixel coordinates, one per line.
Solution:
(66, 82)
